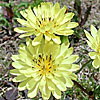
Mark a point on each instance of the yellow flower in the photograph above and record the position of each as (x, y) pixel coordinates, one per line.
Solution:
(94, 42)
(46, 67)
(48, 21)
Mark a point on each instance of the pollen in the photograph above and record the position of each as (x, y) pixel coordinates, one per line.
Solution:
(45, 64)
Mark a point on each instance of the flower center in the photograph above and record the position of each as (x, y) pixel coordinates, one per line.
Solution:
(45, 64)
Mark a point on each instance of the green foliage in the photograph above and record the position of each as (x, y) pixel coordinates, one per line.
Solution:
(15, 11)
(4, 21)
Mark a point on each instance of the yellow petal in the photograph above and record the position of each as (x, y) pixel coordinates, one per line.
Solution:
(33, 92)
(23, 29)
(15, 72)
(26, 34)
(30, 47)
(15, 57)
(22, 85)
(64, 51)
(23, 22)
(31, 15)
(18, 65)
(56, 93)
(71, 25)
(68, 67)
(26, 71)
(96, 62)
(69, 83)
(68, 52)
(51, 48)
(93, 54)
(47, 37)
(67, 17)
(55, 9)
(73, 76)
(19, 78)
(31, 84)
(90, 38)
(93, 31)
(37, 40)
(56, 39)
(23, 13)
(48, 93)
(60, 85)
(51, 85)
(70, 59)
(59, 16)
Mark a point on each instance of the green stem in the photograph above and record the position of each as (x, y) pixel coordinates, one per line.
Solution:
(34, 1)
(84, 66)
(89, 93)
(76, 83)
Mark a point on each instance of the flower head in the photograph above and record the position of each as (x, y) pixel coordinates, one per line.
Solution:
(94, 42)
(46, 68)
(46, 20)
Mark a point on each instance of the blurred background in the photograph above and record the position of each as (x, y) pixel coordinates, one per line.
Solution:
(87, 12)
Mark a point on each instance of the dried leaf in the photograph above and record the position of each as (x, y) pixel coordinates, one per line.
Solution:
(12, 94)
(1, 98)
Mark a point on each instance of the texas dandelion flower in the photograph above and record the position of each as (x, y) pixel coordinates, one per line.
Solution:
(46, 20)
(46, 68)
(94, 42)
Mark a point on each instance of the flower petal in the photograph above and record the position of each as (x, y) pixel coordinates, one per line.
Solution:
(31, 84)
(33, 92)
(69, 82)
(93, 55)
(56, 93)
(19, 78)
(23, 22)
(15, 57)
(24, 29)
(56, 39)
(93, 31)
(67, 17)
(37, 40)
(70, 59)
(15, 72)
(60, 85)
(26, 34)
(96, 62)
(23, 85)
(50, 84)
(90, 38)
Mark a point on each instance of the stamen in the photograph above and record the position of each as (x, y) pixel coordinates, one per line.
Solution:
(50, 58)
(49, 67)
(35, 29)
(46, 57)
(39, 61)
(66, 11)
(39, 64)
(49, 18)
(45, 64)
(43, 59)
(40, 56)
(49, 64)
(40, 22)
